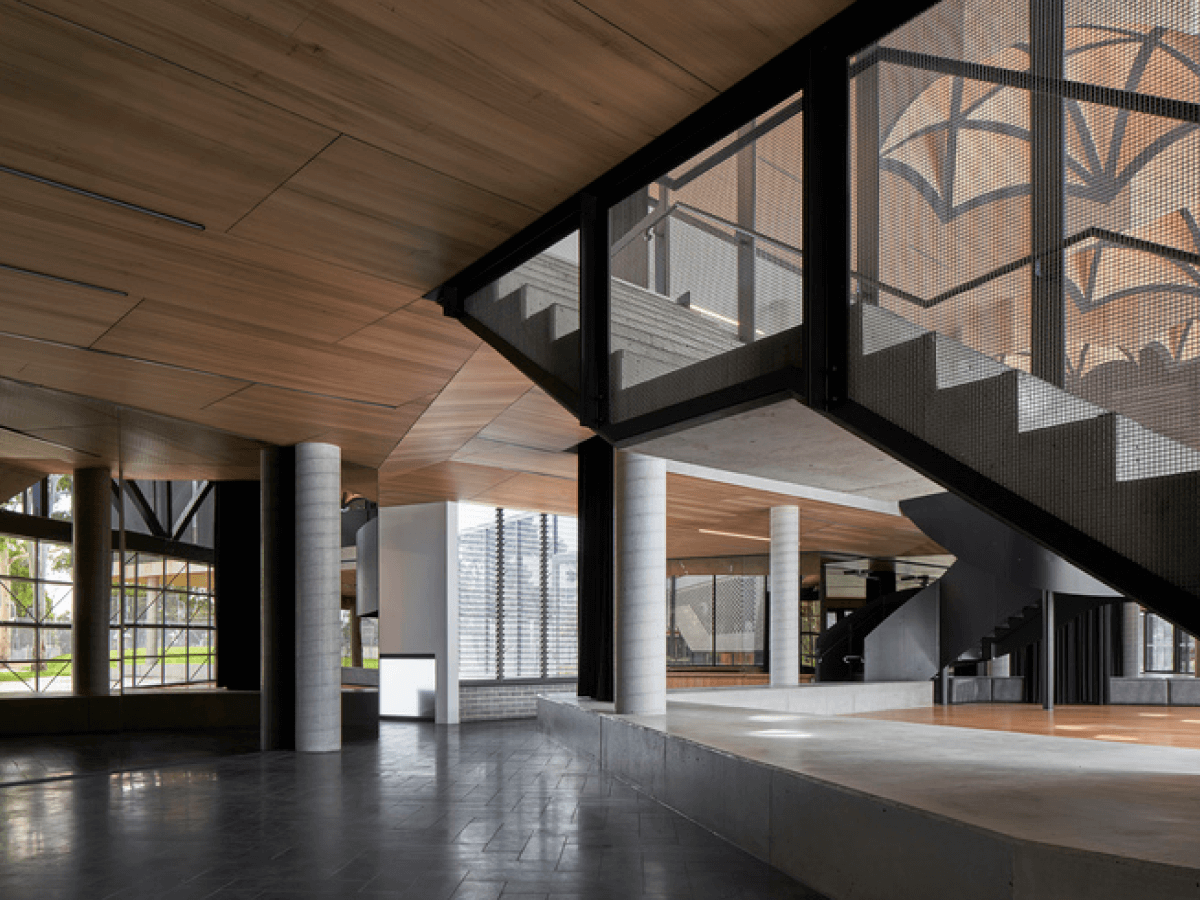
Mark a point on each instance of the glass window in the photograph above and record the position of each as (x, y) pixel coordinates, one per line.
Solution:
(1160, 644)
(35, 615)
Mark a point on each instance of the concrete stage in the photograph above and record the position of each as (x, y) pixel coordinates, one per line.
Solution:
(859, 807)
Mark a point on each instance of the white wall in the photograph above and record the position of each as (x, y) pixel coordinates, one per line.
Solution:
(418, 591)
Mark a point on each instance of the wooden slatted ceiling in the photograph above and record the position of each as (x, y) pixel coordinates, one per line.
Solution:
(693, 504)
(344, 157)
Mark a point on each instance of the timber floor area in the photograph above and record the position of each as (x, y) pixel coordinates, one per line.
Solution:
(1160, 726)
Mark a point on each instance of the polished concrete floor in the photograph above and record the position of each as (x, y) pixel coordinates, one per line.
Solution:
(1118, 798)
(1148, 725)
(477, 812)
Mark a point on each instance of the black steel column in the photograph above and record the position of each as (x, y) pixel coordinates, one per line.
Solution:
(1047, 661)
(278, 697)
(866, 183)
(596, 577)
(1047, 206)
(747, 202)
(826, 232)
(594, 307)
(238, 584)
(92, 567)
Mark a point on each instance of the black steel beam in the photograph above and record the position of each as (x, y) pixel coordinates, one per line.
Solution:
(1092, 556)
(1094, 94)
(1048, 324)
(760, 391)
(193, 507)
(596, 577)
(826, 231)
(145, 510)
(595, 306)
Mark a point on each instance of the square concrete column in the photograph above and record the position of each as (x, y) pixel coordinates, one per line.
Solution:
(318, 598)
(785, 596)
(641, 601)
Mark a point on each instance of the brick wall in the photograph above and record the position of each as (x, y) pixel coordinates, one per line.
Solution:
(481, 702)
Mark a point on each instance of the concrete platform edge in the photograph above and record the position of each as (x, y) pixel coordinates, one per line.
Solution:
(931, 855)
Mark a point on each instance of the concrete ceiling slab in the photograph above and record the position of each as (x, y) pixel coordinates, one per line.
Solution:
(788, 442)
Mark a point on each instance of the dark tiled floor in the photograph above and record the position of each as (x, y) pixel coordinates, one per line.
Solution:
(29, 759)
(475, 813)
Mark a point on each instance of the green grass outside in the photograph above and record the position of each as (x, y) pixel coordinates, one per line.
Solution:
(61, 666)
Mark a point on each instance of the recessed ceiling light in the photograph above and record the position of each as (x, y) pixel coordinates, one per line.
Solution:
(86, 285)
(103, 198)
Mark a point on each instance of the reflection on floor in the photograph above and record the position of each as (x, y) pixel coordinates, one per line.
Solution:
(1151, 725)
(477, 812)
(30, 759)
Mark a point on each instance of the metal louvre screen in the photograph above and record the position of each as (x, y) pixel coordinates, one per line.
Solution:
(716, 620)
(706, 268)
(478, 601)
(535, 309)
(1025, 261)
(521, 595)
(562, 610)
(517, 595)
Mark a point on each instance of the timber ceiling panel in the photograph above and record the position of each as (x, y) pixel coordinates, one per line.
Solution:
(519, 458)
(530, 100)
(181, 335)
(371, 211)
(536, 420)
(67, 235)
(479, 392)
(744, 515)
(130, 125)
(128, 382)
(344, 156)
(699, 35)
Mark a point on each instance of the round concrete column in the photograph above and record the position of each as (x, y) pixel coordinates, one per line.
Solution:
(785, 596)
(318, 598)
(641, 603)
(92, 566)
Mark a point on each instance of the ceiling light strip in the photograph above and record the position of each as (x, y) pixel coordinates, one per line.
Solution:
(87, 285)
(749, 537)
(50, 182)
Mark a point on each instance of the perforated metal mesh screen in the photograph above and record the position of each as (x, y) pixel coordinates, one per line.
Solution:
(716, 620)
(706, 266)
(535, 308)
(1026, 259)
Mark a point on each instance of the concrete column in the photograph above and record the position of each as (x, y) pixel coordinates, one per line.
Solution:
(1131, 640)
(785, 596)
(318, 598)
(641, 607)
(92, 565)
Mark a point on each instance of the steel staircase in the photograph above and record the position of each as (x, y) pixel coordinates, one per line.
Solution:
(1128, 488)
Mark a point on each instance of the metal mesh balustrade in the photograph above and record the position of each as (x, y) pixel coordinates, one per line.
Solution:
(535, 309)
(1025, 261)
(716, 620)
(706, 268)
